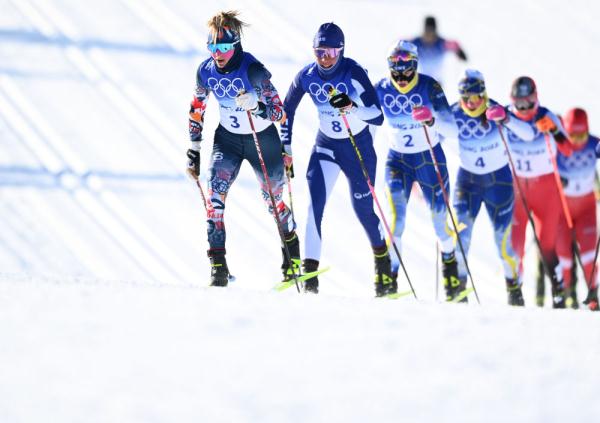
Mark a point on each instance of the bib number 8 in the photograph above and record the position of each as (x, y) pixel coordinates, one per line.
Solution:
(336, 126)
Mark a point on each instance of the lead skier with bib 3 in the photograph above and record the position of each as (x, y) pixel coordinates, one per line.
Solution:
(241, 84)
(411, 100)
(338, 85)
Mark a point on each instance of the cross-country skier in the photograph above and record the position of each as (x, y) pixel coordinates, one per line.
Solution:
(577, 172)
(240, 83)
(354, 96)
(433, 50)
(484, 176)
(535, 177)
(411, 100)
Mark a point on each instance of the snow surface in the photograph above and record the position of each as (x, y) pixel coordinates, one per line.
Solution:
(104, 311)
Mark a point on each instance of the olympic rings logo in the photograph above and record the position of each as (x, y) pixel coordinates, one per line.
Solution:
(472, 129)
(321, 92)
(226, 87)
(402, 103)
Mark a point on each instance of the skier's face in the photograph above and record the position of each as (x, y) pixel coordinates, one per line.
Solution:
(472, 102)
(222, 58)
(327, 56)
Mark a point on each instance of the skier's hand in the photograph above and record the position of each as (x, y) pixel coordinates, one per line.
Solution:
(193, 165)
(545, 124)
(496, 113)
(246, 101)
(422, 114)
(286, 151)
(342, 102)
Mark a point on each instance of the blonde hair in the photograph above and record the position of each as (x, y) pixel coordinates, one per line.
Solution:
(225, 20)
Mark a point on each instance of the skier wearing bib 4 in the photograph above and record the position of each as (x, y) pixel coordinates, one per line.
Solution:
(535, 177)
(577, 174)
(338, 85)
(411, 100)
(484, 175)
(240, 83)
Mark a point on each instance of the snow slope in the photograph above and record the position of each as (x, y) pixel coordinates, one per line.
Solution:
(104, 314)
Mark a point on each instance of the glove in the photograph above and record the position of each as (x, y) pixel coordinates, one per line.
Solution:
(496, 113)
(342, 102)
(246, 101)
(286, 151)
(422, 114)
(193, 166)
(545, 124)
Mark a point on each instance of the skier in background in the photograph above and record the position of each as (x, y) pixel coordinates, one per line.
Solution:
(433, 50)
(411, 100)
(484, 175)
(577, 172)
(240, 83)
(338, 85)
(535, 176)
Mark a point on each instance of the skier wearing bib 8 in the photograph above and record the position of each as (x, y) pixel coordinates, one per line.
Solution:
(338, 86)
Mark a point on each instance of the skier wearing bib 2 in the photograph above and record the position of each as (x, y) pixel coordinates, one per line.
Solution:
(240, 83)
(336, 85)
(484, 175)
(411, 100)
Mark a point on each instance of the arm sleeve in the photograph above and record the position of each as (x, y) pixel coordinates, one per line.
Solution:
(370, 109)
(197, 109)
(559, 134)
(444, 122)
(521, 129)
(292, 99)
(269, 103)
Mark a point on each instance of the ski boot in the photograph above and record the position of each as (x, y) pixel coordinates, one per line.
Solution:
(571, 300)
(452, 284)
(558, 295)
(515, 295)
(219, 273)
(291, 270)
(384, 281)
(591, 300)
(311, 285)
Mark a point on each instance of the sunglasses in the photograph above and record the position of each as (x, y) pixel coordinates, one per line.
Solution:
(402, 56)
(522, 104)
(578, 138)
(473, 98)
(322, 52)
(222, 47)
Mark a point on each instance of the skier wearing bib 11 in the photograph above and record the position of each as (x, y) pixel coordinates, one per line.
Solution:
(411, 100)
(339, 87)
(484, 176)
(240, 84)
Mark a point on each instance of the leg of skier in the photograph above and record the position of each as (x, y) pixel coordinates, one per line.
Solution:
(225, 163)
(321, 174)
(270, 146)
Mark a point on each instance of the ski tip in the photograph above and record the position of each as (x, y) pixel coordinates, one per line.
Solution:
(462, 295)
(397, 295)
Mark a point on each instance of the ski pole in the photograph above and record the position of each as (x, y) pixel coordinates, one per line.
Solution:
(286, 251)
(447, 201)
(524, 201)
(372, 189)
(289, 186)
(437, 269)
(202, 194)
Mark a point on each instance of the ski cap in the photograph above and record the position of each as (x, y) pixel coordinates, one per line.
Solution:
(576, 121)
(329, 35)
(471, 83)
(523, 87)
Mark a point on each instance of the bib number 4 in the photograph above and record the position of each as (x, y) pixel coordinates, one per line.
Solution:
(479, 162)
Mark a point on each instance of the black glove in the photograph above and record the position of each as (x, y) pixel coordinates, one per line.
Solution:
(340, 101)
(193, 166)
(461, 54)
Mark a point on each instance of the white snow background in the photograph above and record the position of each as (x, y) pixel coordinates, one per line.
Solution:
(105, 314)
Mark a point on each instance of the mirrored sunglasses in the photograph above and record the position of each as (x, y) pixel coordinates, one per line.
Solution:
(473, 98)
(222, 47)
(524, 103)
(578, 137)
(402, 56)
(322, 52)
